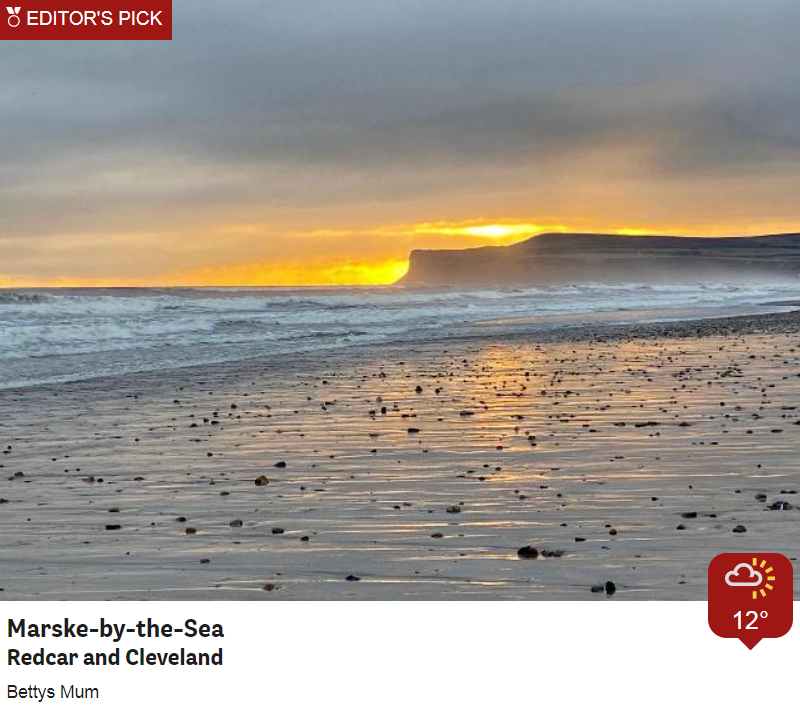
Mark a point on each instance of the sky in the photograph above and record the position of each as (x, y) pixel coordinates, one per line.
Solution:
(286, 142)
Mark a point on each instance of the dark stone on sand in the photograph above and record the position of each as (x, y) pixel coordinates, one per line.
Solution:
(413, 430)
(454, 509)
(552, 553)
(305, 538)
(278, 531)
(113, 527)
(352, 578)
(681, 527)
(761, 497)
(611, 588)
(781, 505)
(688, 515)
(262, 481)
(205, 561)
(580, 539)
(527, 553)
(270, 587)
(280, 464)
(437, 536)
(191, 531)
(740, 529)
(612, 532)
(236, 523)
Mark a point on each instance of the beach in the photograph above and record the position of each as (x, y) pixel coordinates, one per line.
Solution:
(623, 454)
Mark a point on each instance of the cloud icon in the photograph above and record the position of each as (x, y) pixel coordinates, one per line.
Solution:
(753, 581)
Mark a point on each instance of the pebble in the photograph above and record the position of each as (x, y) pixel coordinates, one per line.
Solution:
(527, 553)
(781, 505)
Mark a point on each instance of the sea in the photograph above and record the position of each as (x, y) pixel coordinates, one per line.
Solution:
(51, 336)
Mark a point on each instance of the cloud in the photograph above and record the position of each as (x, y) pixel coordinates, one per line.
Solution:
(421, 110)
(735, 573)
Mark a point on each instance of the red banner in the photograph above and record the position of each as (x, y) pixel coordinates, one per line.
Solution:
(80, 20)
(750, 596)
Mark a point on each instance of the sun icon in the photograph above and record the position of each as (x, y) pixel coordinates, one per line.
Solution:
(767, 586)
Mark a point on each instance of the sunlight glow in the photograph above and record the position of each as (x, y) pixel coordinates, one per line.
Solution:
(364, 255)
(348, 273)
(486, 230)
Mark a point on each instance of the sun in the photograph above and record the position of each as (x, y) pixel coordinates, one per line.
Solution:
(756, 565)
(503, 231)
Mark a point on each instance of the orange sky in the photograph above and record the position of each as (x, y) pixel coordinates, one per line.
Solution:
(321, 146)
(376, 256)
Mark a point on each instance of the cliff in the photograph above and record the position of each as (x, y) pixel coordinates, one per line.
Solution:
(550, 259)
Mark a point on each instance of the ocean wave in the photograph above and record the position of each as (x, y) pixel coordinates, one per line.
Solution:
(68, 332)
(21, 298)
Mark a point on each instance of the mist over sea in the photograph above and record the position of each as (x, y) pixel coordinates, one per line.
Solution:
(64, 335)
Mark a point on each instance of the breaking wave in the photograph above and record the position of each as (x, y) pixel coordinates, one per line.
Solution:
(63, 335)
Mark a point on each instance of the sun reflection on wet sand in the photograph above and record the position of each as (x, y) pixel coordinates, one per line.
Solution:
(420, 471)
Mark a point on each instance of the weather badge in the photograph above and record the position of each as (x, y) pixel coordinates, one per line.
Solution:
(750, 596)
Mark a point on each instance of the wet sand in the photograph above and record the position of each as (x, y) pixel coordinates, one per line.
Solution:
(624, 455)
